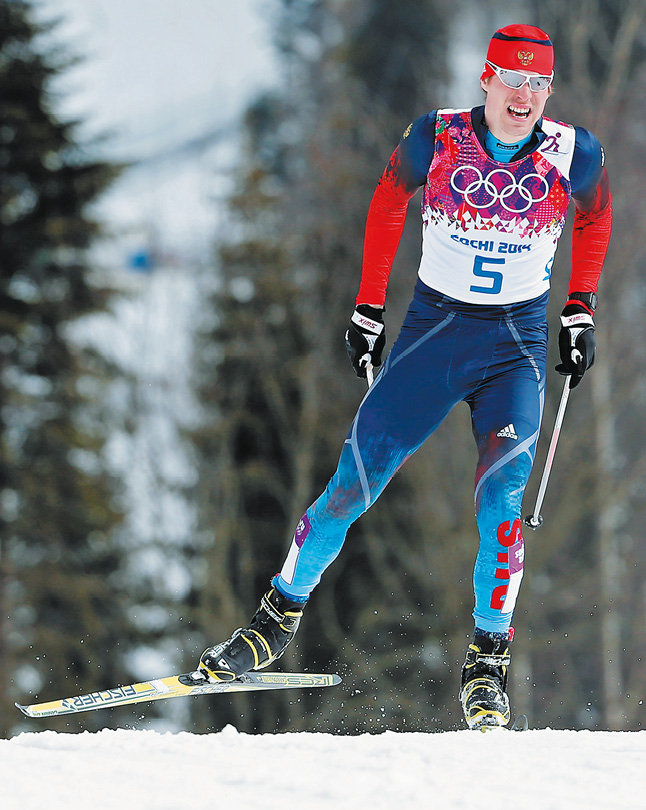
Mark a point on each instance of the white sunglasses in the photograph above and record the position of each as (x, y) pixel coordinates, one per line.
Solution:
(515, 79)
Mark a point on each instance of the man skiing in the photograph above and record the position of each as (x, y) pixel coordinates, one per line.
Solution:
(497, 181)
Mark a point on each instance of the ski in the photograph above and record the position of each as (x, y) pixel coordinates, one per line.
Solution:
(192, 683)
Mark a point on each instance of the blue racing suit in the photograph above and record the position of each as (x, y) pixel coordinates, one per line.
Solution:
(475, 331)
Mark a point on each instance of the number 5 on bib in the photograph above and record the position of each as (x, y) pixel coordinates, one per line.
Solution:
(495, 276)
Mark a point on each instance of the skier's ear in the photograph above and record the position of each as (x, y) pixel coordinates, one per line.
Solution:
(484, 83)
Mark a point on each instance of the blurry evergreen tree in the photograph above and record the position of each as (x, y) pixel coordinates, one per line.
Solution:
(281, 392)
(60, 625)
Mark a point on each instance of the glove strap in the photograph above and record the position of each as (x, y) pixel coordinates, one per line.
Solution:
(580, 319)
(370, 325)
(589, 299)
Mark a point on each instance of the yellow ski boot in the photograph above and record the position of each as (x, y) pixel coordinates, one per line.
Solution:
(484, 682)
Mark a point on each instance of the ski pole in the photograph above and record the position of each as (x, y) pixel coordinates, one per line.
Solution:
(535, 520)
(369, 374)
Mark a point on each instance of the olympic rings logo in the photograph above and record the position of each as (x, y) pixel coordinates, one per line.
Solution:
(494, 194)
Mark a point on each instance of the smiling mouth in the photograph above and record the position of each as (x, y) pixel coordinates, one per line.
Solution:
(518, 112)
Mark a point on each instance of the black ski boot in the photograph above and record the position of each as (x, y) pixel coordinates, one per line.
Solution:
(484, 682)
(255, 647)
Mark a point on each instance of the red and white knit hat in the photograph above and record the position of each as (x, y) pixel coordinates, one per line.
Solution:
(520, 47)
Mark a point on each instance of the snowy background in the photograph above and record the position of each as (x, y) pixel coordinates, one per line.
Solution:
(164, 81)
(535, 770)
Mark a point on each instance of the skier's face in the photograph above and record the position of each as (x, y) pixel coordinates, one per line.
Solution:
(511, 113)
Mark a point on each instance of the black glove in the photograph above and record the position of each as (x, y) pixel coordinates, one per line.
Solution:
(577, 345)
(365, 338)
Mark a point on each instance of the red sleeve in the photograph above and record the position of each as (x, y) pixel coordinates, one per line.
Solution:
(590, 237)
(384, 226)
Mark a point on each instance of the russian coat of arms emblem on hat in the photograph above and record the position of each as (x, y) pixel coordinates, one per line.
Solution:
(525, 57)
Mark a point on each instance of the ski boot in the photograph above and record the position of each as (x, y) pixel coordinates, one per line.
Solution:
(257, 646)
(484, 681)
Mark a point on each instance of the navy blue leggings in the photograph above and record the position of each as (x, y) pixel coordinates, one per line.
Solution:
(494, 359)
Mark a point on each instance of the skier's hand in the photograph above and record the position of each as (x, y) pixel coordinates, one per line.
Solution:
(365, 338)
(577, 345)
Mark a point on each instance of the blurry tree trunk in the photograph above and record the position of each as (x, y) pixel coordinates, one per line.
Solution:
(618, 79)
(5, 611)
(610, 561)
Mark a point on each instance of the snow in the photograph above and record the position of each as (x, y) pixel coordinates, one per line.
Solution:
(147, 770)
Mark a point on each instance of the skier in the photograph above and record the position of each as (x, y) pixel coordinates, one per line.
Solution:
(497, 183)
